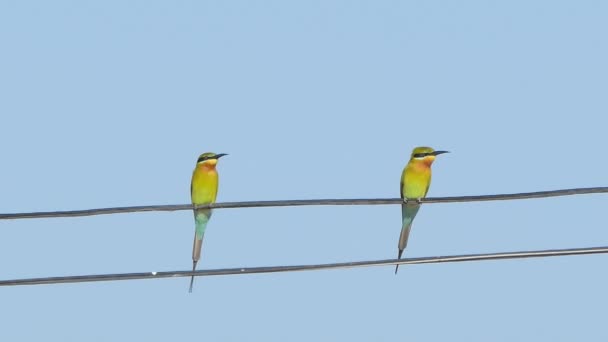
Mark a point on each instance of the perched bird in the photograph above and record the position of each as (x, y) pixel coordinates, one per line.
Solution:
(415, 182)
(203, 190)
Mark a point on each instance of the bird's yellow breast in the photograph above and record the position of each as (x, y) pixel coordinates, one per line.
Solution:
(204, 184)
(415, 180)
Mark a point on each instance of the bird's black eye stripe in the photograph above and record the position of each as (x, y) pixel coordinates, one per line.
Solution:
(420, 155)
(202, 159)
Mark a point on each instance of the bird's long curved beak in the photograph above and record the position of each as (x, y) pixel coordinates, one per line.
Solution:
(436, 153)
(218, 156)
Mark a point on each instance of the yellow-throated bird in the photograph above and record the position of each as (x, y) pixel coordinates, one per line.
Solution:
(415, 182)
(203, 190)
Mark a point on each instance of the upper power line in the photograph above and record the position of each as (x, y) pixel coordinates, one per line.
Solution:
(292, 203)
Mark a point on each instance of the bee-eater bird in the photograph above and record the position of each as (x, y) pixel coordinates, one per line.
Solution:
(203, 190)
(415, 182)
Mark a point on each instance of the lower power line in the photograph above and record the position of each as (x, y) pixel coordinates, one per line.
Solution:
(277, 269)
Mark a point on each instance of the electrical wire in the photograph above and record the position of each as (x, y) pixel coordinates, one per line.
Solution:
(293, 203)
(277, 269)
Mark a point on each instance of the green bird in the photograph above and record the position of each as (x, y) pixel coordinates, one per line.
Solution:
(415, 182)
(203, 190)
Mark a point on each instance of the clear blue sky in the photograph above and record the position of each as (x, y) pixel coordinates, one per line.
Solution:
(109, 103)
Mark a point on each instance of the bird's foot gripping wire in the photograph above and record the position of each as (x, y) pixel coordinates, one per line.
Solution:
(417, 200)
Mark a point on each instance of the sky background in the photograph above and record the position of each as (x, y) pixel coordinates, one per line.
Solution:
(109, 103)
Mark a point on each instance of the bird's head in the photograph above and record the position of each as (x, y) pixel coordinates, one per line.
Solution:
(425, 154)
(209, 159)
